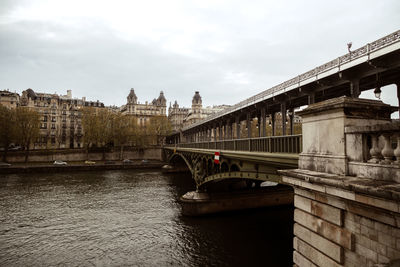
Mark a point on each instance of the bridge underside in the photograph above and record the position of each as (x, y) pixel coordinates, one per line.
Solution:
(233, 167)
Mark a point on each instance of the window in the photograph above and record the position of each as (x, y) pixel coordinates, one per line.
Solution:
(53, 126)
(53, 119)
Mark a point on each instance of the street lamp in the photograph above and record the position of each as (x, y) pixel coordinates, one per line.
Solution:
(349, 46)
(378, 92)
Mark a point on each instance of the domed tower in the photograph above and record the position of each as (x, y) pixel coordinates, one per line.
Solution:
(161, 101)
(132, 98)
(196, 103)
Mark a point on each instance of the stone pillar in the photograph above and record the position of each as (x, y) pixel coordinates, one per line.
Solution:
(283, 112)
(324, 139)
(262, 123)
(248, 124)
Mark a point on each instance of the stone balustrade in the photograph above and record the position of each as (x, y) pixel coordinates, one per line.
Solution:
(374, 151)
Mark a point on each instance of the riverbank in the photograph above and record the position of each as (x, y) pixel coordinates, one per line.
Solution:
(76, 155)
(43, 167)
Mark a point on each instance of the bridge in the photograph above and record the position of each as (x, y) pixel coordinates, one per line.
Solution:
(372, 66)
(344, 167)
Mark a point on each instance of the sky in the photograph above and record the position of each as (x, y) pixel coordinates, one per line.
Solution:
(227, 50)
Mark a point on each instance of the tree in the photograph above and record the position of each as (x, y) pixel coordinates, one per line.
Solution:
(27, 123)
(7, 129)
(121, 129)
(90, 127)
(159, 127)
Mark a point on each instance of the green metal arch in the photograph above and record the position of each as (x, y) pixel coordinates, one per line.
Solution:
(177, 154)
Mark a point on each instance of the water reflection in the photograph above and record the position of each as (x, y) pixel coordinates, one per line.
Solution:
(115, 218)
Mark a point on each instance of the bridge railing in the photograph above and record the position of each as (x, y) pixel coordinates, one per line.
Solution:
(295, 81)
(271, 144)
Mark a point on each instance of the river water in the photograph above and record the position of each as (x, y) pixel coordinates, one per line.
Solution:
(130, 218)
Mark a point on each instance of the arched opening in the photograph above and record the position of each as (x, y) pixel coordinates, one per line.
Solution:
(234, 168)
(224, 167)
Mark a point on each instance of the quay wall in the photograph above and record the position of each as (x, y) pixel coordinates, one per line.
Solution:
(155, 153)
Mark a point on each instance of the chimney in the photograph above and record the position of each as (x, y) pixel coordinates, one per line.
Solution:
(69, 94)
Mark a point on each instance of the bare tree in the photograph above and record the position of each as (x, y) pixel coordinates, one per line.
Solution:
(7, 128)
(27, 123)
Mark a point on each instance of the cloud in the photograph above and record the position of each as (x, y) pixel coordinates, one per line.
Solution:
(227, 50)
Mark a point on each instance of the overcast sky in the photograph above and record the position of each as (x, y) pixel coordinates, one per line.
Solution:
(227, 50)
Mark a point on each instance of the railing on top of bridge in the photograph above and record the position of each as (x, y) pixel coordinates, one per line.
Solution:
(353, 55)
(272, 144)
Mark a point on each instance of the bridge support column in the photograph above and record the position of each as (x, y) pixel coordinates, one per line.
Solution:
(398, 95)
(346, 212)
(291, 117)
(262, 124)
(248, 124)
(283, 112)
(227, 129)
(355, 88)
(231, 131)
(273, 123)
(237, 122)
(221, 132)
(311, 98)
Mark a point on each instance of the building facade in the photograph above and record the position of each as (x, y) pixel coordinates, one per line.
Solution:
(181, 117)
(61, 118)
(144, 112)
(9, 99)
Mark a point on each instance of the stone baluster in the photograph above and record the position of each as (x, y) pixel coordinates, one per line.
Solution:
(397, 150)
(387, 151)
(374, 151)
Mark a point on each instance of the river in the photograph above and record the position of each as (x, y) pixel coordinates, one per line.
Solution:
(130, 218)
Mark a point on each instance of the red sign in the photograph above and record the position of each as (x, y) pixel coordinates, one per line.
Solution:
(216, 157)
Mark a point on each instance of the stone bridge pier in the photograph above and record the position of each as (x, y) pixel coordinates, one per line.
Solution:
(347, 185)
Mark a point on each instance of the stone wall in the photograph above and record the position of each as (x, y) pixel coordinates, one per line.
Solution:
(347, 207)
(80, 155)
(340, 227)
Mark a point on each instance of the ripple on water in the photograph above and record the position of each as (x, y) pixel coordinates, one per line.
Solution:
(119, 218)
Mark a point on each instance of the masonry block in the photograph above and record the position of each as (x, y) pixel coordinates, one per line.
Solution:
(326, 212)
(301, 261)
(328, 230)
(366, 252)
(313, 255)
(322, 244)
